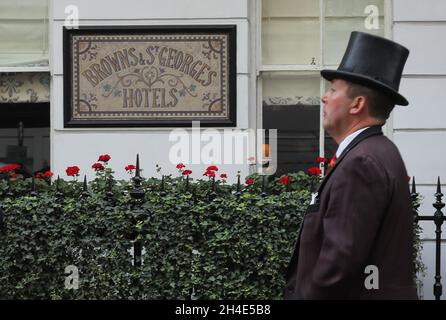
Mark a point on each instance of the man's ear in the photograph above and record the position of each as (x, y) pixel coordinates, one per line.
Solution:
(358, 105)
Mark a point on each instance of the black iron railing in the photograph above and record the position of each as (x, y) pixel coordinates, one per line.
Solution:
(438, 219)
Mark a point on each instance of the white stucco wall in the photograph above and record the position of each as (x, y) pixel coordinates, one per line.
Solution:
(420, 129)
(82, 146)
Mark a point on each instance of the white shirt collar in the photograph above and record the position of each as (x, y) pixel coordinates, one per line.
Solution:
(344, 143)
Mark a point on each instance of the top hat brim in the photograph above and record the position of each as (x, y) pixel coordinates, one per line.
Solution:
(366, 81)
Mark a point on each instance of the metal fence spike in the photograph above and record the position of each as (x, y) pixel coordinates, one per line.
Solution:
(137, 173)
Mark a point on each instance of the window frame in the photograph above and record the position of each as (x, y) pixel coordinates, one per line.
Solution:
(262, 68)
(22, 69)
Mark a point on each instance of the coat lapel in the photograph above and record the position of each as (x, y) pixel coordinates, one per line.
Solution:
(372, 131)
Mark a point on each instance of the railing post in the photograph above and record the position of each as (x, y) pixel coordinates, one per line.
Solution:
(109, 193)
(438, 219)
(137, 195)
(59, 194)
(212, 194)
(162, 192)
(263, 194)
(85, 194)
(238, 192)
(33, 192)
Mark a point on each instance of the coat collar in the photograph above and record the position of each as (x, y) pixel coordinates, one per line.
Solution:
(372, 131)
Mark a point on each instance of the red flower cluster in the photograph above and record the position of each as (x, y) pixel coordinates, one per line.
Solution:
(187, 172)
(285, 180)
(322, 159)
(9, 168)
(98, 166)
(180, 166)
(44, 175)
(104, 158)
(314, 171)
(72, 171)
(210, 171)
(249, 181)
(129, 168)
(223, 176)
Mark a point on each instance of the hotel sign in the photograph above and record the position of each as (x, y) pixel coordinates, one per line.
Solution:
(157, 76)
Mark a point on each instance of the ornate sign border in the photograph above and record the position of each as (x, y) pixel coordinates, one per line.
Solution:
(73, 117)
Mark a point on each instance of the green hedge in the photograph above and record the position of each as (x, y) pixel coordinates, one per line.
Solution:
(222, 245)
(230, 247)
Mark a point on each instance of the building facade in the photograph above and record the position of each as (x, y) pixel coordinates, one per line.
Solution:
(281, 45)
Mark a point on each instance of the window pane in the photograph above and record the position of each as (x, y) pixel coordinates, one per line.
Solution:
(344, 16)
(291, 105)
(23, 33)
(290, 32)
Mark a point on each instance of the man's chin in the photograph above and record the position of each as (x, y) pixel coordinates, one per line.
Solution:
(325, 126)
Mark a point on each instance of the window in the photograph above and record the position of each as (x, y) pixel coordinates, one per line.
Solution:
(24, 84)
(23, 33)
(298, 39)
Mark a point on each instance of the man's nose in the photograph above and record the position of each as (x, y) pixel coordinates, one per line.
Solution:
(324, 99)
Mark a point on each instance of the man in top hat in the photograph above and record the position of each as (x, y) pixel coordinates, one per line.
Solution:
(356, 239)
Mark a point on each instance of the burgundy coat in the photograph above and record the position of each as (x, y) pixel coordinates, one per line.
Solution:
(362, 216)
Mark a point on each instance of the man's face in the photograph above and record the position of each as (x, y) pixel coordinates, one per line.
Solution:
(336, 107)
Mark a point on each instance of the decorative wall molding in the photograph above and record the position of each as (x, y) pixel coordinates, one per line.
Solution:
(291, 101)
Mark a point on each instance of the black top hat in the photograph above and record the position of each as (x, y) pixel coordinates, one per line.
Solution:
(372, 61)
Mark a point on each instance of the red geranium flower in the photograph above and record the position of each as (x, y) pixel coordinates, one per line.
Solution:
(223, 176)
(249, 181)
(180, 166)
(209, 173)
(314, 171)
(48, 174)
(72, 171)
(104, 158)
(130, 168)
(212, 168)
(321, 159)
(285, 180)
(98, 166)
(10, 167)
(44, 175)
(187, 172)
